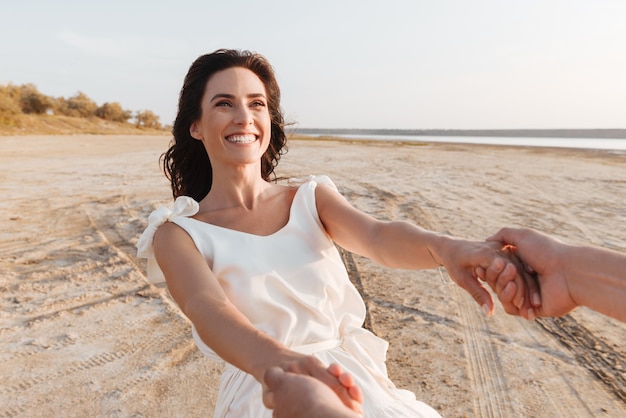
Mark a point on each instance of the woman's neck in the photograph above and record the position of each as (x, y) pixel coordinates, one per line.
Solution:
(241, 189)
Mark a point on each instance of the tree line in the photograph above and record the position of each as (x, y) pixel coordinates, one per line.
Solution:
(26, 99)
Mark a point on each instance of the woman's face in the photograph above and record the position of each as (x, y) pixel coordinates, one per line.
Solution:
(235, 125)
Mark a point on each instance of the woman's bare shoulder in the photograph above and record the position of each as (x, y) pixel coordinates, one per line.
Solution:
(169, 235)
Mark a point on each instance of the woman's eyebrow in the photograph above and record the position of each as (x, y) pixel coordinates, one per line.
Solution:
(231, 96)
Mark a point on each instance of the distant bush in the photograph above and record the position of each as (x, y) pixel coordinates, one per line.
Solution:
(79, 106)
(9, 112)
(9, 100)
(10, 92)
(147, 119)
(32, 101)
(9, 105)
(113, 112)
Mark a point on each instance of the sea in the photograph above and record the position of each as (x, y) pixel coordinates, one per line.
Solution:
(611, 144)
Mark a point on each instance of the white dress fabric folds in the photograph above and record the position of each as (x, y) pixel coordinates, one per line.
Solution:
(293, 286)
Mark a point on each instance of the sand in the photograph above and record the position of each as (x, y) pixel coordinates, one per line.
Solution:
(82, 333)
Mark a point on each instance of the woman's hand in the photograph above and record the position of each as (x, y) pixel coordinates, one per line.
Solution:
(342, 384)
(468, 261)
(296, 395)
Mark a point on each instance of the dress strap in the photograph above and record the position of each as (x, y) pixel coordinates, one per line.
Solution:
(321, 179)
(183, 206)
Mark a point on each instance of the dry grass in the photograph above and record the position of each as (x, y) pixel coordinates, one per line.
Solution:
(65, 125)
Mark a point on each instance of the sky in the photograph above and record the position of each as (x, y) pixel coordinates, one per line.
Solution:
(397, 64)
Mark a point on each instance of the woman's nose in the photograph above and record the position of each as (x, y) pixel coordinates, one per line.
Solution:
(243, 116)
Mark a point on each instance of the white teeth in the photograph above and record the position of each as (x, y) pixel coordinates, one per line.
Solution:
(241, 139)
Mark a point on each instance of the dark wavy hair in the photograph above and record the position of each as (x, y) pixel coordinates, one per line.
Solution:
(186, 163)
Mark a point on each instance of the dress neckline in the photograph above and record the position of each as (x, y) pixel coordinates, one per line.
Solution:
(236, 231)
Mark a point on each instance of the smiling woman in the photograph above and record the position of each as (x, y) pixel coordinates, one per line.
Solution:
(239, 117)
(254, 264)
(186, 162)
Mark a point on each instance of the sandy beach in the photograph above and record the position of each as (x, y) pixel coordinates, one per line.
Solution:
(83, 334)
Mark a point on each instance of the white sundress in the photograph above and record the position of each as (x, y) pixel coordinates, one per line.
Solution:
(293, 286)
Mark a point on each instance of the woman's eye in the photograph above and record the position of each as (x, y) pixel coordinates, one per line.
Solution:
(258, 104)
(222, 104)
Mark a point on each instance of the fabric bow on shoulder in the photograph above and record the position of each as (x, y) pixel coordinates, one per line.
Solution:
(183, 206)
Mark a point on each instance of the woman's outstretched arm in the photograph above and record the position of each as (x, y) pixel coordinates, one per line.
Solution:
(404, 245)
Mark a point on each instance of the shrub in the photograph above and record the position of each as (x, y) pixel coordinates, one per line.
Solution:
(9, 105)
(113, 112)
(10, 92)
(78, 105)
(32, 101)
(9, 100)
(147, 119)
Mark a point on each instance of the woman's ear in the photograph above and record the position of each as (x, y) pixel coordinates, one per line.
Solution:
(194, 131)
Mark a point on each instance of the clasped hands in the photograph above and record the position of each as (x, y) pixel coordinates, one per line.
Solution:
(338, 388)
(499, 264)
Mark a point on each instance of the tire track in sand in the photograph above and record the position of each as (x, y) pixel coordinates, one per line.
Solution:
(565, 331)
(113, 277)
(485, 367)
(594, 354)
(608, 365)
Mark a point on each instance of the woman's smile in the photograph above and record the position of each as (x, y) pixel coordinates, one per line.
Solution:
(242, 139)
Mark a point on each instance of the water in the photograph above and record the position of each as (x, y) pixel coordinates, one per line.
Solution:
(616, 144)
